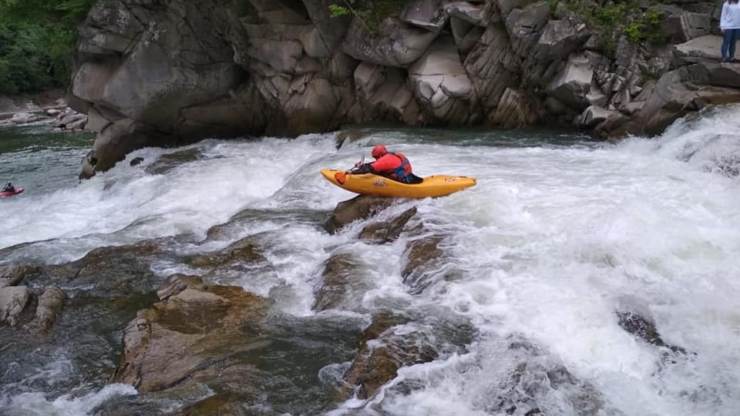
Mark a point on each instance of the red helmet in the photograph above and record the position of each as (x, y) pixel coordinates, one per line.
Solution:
(379, 151)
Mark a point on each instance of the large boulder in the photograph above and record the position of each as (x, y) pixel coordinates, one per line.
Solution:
(188, 334)
(140, 67)
(357, 208)
(442, 85)
(681, 91)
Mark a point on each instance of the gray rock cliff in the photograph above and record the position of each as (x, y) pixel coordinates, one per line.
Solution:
(166, 73)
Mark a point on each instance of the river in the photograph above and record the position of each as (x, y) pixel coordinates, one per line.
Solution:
(559, 233)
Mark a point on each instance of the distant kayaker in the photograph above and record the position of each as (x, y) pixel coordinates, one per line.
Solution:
(9, 188)
(389, 164)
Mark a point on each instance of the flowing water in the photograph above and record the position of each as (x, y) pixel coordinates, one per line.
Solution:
(559, 233)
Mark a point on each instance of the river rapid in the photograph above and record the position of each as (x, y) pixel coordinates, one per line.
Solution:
(559, 234)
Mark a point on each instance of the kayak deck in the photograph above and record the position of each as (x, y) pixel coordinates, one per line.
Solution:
(8, 194)
(371, 184)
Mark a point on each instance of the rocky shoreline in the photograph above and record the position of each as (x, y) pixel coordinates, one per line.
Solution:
(159, 75)
(47, 112)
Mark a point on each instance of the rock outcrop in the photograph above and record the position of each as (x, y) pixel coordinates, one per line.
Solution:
(189, 333)
(169, 73)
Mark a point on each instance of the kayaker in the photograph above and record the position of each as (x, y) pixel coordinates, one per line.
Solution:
(389, 164)
(9, 188)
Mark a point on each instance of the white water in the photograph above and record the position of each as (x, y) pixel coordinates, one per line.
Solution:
(552, 241)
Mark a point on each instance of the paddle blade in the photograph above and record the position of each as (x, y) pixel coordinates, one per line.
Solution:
(341, 177)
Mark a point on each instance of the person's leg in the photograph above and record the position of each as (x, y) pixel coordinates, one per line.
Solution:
(726, 43)
(733, 41)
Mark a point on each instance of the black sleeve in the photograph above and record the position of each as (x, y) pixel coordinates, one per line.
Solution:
(365, 168)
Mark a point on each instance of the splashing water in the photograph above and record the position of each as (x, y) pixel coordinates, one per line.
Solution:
(559, 234)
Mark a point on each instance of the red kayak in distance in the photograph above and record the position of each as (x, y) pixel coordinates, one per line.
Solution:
(7, 194)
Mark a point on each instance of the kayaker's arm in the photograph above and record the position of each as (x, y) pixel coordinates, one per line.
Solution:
(364, 168)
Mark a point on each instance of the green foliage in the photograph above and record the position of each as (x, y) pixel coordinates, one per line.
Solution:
(626, 17)
(370, 12)
(36, 43)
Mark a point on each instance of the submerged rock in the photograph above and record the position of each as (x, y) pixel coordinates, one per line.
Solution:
(13, 299)
(167, 162)
(645, 330)
(341, 284)
(49, 307)
(12, 274)
(378, 363)
(244, 250)
(385, 232)
(421, 257)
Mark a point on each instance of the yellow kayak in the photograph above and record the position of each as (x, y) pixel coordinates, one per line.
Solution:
(370, 184)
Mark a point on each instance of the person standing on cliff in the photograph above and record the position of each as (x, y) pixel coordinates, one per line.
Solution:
(729, 24)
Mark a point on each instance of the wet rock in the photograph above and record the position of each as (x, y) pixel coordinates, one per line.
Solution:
(121, 137)
(176, 283)
(50, 305)
(167, 162)
(385, 232)
(136, 161)
(109, 271)
(378, 362)
(342, 284)
(359, 207)
(422, 256)
(12, 274)
(216, 405)
(187, 334)
(534, 379)
(244, 250)
(350, 136)
(645, 330)
(13, 299)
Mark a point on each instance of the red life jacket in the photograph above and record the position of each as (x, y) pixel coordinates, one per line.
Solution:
(402, 172)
